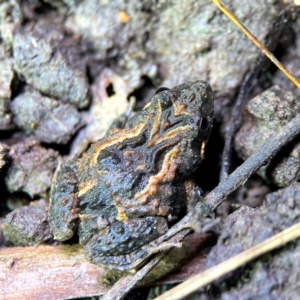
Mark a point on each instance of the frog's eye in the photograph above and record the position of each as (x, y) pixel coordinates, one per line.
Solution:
(203, 123)
(161, 89)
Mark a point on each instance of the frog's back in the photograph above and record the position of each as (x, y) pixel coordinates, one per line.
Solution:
(139, 170)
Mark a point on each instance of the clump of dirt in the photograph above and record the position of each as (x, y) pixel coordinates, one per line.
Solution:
(28, 225)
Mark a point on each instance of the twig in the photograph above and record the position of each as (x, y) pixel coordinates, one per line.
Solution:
(191, 285)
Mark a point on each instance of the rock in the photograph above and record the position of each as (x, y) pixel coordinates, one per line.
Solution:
(49, 59)
(47, 119)
(6, 80)
(3, 154)
(28, 225)
(31, 169)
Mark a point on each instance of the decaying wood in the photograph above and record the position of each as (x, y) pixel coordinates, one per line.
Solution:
(62, 272)
(48, 272)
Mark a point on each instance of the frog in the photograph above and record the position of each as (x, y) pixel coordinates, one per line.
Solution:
(129, 187)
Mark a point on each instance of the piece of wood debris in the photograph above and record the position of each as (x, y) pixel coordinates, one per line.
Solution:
(48, 273)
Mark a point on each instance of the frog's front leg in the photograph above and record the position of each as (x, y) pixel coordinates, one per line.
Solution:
(64, 202)
(116, 246)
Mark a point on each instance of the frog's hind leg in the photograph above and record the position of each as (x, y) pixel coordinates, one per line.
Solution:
(118, 245)
(63, 210)
(124, 262)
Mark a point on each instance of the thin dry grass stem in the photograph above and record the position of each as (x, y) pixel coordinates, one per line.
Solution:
(280, 66)
(199, 281)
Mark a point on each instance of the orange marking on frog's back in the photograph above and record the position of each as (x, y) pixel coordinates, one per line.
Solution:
(157, 121)
(141, 166)
(166, 174)
(84, 187)
(174, 133)
(128, 153)
(121, 214)
(113, 140)
(179, 109)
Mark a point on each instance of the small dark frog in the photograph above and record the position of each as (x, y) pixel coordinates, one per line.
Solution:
(129, 186)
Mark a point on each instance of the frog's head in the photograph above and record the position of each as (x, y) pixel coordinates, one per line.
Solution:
(196, 100)
(191, 103)
(183, 116)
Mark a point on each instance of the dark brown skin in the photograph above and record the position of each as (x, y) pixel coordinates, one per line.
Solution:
(127, 187)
